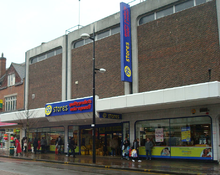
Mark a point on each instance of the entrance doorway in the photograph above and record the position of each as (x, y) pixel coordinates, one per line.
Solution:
(104, 136)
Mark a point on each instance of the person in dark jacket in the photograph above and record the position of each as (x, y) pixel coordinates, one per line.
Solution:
(136, 147)
(148, 146)
(35, 145)
(59, 143)
(72, 147)
(125, 147)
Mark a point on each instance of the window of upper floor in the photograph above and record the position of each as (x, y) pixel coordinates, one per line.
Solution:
(11, 79)
(170, 10)
(46, 55)
(11, 103)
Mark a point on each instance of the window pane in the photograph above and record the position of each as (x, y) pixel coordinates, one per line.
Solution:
(200, 2)
(34, 60)
(115, 30)
(78, 44)
(42, 57)
(190, 131)
(58, 51)
(184, 5)
(103, 35)
(87, 41)
(164, 12)
(156, 130)
(146, 19)
(50, 54)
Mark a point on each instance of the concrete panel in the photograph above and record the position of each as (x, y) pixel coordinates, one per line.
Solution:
(153, 97)
(135, 100)
(118, 102)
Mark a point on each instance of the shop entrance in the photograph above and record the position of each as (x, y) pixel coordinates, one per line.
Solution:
(108, 139)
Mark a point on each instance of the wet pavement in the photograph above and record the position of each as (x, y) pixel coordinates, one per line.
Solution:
(187, 167)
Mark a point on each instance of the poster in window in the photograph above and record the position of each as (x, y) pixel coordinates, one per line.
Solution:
(159, 135)
(185, 134)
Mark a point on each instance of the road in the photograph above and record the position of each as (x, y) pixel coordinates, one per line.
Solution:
(10, 166)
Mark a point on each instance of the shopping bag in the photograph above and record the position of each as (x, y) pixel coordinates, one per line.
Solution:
(56, 150)
(130, 152)
(134, 153)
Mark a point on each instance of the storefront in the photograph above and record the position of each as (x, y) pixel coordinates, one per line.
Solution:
(184, 138)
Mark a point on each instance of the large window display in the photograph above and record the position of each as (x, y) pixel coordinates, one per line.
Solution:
(188, 137)
(50, 134)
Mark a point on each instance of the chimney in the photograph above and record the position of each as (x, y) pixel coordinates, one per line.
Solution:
(2, 65)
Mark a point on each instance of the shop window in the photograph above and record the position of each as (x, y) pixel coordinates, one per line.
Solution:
(10, 103)
(190, 131)
(73, 132)
(157, 131)
(164, 12)
(184, 5)
(146, 19)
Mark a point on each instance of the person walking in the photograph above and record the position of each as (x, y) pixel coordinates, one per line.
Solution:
(43, 144)
(35, 145)
(25, 144)
(59, 144)
(136, 147)
(38, 146)
(18, 147)
(126, 147)
(148, 146)
(72, 147)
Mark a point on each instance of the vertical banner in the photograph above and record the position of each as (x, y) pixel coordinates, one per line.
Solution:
(125, 36)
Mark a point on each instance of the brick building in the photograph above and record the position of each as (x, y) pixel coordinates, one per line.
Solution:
(174, 95)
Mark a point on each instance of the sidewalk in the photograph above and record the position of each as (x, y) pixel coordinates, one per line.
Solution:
(182, 167)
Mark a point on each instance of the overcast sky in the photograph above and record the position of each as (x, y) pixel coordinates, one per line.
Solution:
(25, 24)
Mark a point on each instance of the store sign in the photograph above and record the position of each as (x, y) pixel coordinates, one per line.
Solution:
(125, 29)
(69, 107)
(110, 115)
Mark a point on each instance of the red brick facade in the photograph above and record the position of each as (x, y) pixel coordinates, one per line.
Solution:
(179, 49)
(45, 82)
(15, 90)
(107, 56)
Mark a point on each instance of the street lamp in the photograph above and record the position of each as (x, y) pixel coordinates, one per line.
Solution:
(102, 70)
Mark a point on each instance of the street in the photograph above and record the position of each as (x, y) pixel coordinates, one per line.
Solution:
(10, 166)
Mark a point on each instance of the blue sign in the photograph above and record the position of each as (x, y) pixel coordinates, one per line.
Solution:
(69, 107)
(125, 29)
(110, 115)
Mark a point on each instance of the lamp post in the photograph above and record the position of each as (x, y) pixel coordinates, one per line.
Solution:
(93, 125)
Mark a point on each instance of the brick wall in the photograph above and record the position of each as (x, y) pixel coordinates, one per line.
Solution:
(179, 49)
(107, 56)
(45, 81)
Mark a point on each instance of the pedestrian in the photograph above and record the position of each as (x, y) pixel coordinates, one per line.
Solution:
(59, 144)
(38, 146)
(25, 144)
(148, 146)
(35, 145)
(126, 147)
(113, 145)
(72, 147)
(43, 144)
(68, 147)
(18, 147)
(136, 147)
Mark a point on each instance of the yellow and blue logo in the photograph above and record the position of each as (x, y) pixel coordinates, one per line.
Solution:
(127, 71)
(48, 109)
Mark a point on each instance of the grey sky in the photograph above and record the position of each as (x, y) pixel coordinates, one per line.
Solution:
(25, 24)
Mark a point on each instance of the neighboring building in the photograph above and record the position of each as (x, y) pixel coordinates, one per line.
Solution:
(11, 94)
(174, 94)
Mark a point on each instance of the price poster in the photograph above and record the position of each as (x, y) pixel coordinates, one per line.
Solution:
(159, 135)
